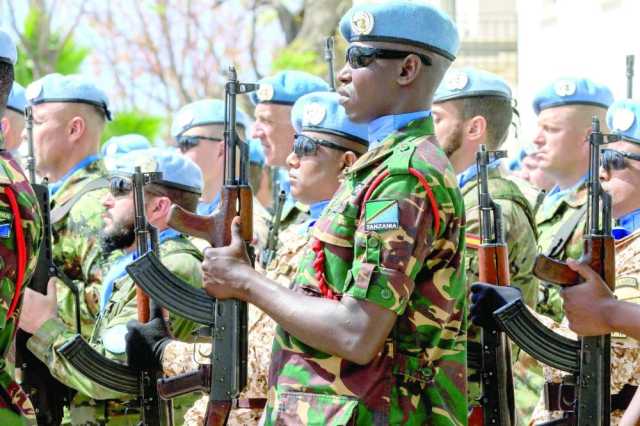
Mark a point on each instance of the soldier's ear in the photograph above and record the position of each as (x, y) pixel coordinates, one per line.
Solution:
(476, 128)
(5, 126)
(411, 66)
(76, 128)
(348, 158)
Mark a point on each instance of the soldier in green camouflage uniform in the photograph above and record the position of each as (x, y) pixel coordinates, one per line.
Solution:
(373, 329)
(69, 114)
(565, 109)
(327, 142)
(181, 184)
(20, 238)
(473, 107)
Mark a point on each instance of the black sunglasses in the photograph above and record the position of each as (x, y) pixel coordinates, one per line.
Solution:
(119, 186)
(615, 160)
(306, 145)
(185, 143)
(362, 56)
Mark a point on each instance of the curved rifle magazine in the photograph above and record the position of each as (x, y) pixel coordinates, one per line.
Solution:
(537, 340)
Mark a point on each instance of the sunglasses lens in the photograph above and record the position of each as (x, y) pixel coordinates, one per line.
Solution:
(612, 160)
(358, 57)
(304, 146)
(185, 143)
(119, 186)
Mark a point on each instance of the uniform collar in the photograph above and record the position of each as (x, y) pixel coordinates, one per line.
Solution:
(626, 225)
(55, 186)
(205, 209)
(471, 172)
(382, 127)
(556, 193)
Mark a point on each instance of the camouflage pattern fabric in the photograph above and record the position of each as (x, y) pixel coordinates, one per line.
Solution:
(551, 217)
(182, 259)
(181, 357)
(292, 214)
(385, 252)
(18, 409)
(76, 249)
(520, 233)
(625, 352)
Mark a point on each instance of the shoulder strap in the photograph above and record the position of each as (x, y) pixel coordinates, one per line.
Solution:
(562, 236)
(60, 212)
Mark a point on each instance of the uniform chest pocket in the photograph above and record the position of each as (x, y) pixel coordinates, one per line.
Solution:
(339, 226)
(299, 408)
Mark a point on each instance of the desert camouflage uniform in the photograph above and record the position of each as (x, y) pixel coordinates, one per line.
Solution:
(394, 259)
(76, 249)
(183, 260)
(625, 352)
(520, 234)
(180, 357)
(18, 408)
(293, 213)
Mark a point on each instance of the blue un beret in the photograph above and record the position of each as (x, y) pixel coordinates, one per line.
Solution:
(286, 87)
(470, 82)
(17, 100)
(572, 91)
(203, 113)
(67, 88)
(8, 51)
(321, 112)
(177, 170)
(623, 118)
(119, 145)
(404, 22)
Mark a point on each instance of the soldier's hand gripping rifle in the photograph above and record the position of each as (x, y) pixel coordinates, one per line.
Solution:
(109, 373)
(329, 57)
(271, 246)
(47, 394)
(587, 359)
(493, 260)
(226, 376)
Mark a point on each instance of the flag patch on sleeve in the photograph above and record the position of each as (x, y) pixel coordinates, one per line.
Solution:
(381, 215)
(5, 230)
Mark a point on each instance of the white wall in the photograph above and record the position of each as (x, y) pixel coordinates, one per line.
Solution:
(589, 38)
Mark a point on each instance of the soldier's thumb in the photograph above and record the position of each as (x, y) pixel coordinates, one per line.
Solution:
(582, 269)
(52, 289)
(236, 236)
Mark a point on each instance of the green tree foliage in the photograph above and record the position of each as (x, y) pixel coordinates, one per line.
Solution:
(56, 53)
(126, 122)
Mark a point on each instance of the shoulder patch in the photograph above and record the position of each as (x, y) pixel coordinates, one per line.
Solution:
(5, 229)
(381, 215)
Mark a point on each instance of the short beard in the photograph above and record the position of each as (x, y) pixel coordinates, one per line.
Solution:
(121, 237)
(454, 142)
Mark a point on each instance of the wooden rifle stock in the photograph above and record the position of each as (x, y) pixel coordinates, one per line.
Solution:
(493, 261)
(598, 254)
(216, 228)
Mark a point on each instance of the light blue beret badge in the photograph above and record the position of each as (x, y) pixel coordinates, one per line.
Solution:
(622, 119)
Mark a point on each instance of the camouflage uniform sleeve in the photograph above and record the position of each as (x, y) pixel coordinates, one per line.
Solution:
(391, 242)
(521, 240)
(52, 335)
(78, 253)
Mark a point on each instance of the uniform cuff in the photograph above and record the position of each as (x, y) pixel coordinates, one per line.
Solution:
(42, 341)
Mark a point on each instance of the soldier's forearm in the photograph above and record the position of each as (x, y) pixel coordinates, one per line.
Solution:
(351, 329)
(624, 318)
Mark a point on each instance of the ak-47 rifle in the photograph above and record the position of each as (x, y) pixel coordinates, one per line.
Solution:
(588, 358)
(329, 57)
(47, 394)
(271, 246)
(630, 63)
(227, 375)
(493, 259)
(109, 373)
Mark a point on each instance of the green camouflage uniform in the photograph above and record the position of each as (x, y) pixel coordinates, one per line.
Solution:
(181, 258)
(18, 408)
(551, 217)
(393, 259)
(76, 249)
(520, 234)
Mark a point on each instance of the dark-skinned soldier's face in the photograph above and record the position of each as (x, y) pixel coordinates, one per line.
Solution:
(367, 92)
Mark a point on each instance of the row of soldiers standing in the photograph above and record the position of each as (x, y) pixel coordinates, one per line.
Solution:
(361, 315)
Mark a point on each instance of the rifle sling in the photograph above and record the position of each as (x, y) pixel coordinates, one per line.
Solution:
(561, 238)
(60, 212)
